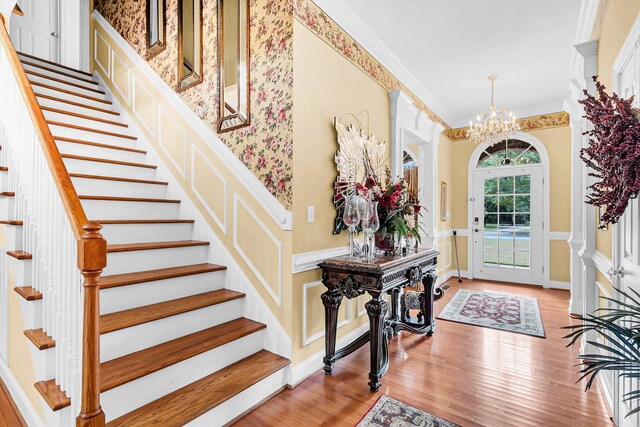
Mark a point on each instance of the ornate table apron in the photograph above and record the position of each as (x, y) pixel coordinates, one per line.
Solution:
(346, 277)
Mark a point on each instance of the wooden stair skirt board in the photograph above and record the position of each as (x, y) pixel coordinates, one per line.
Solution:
(28, 293)
(189, 402)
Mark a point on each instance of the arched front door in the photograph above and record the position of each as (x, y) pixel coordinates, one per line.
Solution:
(507, 223)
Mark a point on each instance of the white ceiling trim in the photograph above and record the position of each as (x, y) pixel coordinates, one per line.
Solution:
(345, 18)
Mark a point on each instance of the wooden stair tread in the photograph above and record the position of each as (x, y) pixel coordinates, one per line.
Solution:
(40, 339)
(84, 116)
(136, 365)
(126, 199)
(53, 63)
(111, 161)
(4, 168)
(142, 221)
(98, 144)
(114, 178)
(126, 247)
(63, 81)
(51, 393)
(84, 128)
(70, 92)
(77, 104)
(19, 255)
(8, 194)
(115, 280)
(11, 222)
(148, 313)
(186, 404)
(28, 293)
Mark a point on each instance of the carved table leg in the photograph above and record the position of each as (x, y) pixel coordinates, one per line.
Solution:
(395, 296)
(427, 300)
(379, 351)
(331, 300)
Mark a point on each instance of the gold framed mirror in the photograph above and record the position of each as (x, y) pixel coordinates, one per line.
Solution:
(233, 64)
(156, 27)
(189, 43)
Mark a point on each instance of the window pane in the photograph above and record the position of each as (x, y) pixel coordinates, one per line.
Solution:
(491, 186)
(522, 260)
(523, 184)
(506, 259)
(490, 258)
(490, 239)
(506, 185)
(506, 240)
(506, 204)
(529, 158)
(491, 221)
(506, 222)
(523, 239)
(523, 203)
(491, 204)
(522, 220)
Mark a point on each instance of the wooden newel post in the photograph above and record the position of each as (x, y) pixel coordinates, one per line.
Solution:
(92, 258)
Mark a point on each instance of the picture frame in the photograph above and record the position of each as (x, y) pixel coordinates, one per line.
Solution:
(443, 201)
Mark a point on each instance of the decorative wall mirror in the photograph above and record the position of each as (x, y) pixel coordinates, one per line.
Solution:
(359, 156)
(410, 174)
(156, 27)
(189, 43)
(233, 64)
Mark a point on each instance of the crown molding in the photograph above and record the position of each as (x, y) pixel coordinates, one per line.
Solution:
(355, 28)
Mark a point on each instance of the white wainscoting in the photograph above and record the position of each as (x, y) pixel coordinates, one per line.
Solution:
(306, 340)
(221, 222)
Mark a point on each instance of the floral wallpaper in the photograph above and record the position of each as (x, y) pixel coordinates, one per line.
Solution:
(266, 146)
(544, 121)
(309, 14)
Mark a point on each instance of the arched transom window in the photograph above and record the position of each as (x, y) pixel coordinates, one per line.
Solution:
(511, 152)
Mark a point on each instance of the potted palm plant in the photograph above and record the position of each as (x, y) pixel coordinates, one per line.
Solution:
(616, 334)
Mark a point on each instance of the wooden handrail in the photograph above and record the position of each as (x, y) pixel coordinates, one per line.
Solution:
(92, 247)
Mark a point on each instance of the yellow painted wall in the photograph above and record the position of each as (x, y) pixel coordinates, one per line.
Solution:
(618, 20)
(326, 85)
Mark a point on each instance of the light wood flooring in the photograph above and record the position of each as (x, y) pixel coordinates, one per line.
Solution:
(466, 374)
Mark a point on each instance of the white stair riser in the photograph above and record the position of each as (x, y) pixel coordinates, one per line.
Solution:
(60, 418)
(21, 271)
(140, 233)
(129, 262)
(85, 135)
(79, 121)
(141, 294)
(130, 396)
(52, 66)
(4, 178)
(100, 152)
(241, 402)
(108, 169)
(12, 236)
(105, 187)
(31, 312)
(45, 102)
(43, 361)
(129, 340)
(102, 209)
(79, 81)
(63, 95)
(81, 90)
(7, 205)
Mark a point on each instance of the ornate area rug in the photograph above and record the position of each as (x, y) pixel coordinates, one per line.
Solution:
(390, 412)
(506, 312)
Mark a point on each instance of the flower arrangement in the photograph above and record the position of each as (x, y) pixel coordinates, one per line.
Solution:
(613, 152)
(398, 214)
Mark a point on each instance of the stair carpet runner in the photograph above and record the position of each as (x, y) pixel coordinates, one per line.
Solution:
(159, 308)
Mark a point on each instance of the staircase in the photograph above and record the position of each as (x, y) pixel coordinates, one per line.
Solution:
(174, 346)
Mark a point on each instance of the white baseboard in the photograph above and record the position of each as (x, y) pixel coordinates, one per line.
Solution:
(29, 413)
(449, 275)
(555, 284)
(305, 369)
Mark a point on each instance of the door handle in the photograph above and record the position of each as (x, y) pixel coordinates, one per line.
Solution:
(56, 35)
(616, 271)
(477, 230)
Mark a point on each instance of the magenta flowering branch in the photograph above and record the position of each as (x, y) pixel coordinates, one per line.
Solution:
(613, 153)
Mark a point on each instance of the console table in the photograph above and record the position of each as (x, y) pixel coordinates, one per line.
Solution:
(349, 277)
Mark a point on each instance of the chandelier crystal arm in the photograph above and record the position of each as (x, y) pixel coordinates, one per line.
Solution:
(494, 125)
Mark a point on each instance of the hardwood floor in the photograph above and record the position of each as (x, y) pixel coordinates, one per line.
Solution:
(466, 374)
(9, 415)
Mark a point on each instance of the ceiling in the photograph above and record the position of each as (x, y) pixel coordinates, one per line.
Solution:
(446, 50)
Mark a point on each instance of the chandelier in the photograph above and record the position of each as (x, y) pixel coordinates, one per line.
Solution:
(494, 125)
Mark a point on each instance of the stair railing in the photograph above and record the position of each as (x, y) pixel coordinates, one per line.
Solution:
(58, 235)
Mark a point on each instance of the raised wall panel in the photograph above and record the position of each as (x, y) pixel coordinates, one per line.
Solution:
(313, 312)
(101, 54)
(143, 106)
(173, 141)
(259, 248)
(209, 187)
(120, 77)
